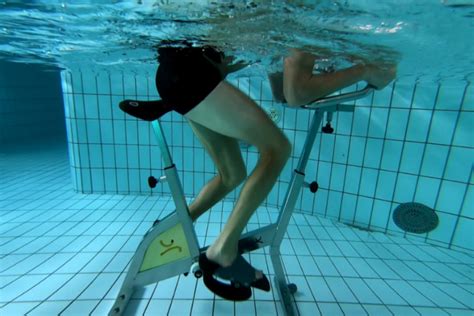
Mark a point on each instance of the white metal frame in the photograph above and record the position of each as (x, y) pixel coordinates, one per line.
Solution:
(270, 235)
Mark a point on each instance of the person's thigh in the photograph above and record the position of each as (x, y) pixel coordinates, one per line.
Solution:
(224, 151)
(230, 112)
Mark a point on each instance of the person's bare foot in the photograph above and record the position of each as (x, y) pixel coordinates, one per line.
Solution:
(380, 76)
(225, 256)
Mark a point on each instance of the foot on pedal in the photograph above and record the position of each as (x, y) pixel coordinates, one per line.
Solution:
(241, 271)
(248, 244)
(231, 292)
(241, 275)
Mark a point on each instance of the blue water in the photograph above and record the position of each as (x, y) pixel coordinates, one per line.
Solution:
(74, 199)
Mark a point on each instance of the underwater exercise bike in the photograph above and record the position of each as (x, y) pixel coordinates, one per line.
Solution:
(171, 248)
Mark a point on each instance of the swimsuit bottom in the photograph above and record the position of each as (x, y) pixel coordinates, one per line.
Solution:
(186, 76)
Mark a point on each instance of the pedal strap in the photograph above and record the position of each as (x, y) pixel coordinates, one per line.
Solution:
(227, 291)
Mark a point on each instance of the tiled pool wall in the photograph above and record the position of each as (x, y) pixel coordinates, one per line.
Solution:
(411, 142)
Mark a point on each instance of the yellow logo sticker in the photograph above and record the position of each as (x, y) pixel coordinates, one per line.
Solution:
(168, 247)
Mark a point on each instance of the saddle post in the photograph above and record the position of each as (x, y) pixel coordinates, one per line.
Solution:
(286, 211)
(327, 105)
(176, 189)
(170, 246)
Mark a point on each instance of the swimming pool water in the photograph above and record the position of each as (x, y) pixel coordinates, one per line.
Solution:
(72, 214)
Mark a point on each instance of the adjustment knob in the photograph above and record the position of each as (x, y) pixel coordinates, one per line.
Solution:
(152, 181)
(314, 186)
(328, 129)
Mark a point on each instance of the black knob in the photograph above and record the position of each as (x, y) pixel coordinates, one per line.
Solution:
(152, 181)
(314, 186)
(198, 274)
(328, 129)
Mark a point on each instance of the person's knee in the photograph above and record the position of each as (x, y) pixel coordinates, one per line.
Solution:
(279, 151)
(235, 177)
(297, 75)
(285, 148)
(294, 95)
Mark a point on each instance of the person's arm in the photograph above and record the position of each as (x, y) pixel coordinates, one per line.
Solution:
(226, 65)
(302, 87)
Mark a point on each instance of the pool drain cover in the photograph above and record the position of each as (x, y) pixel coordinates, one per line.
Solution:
(415, 218)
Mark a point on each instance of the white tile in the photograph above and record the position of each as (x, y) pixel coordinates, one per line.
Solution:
(291, 264)
(405, 188)
(431, 311)
(20, 286)
(308, 309)
(391, 155)
(166, 289)
(180, 307)
(352, 179)
(378, 122)
(99, 286)
(53, 264)
(352, 309)
(20, 308)
(361, 121)
(410, 294)
(418, 125)
(376, 310)
(223, 308)
(368, 182)
(344, 267)
(203, 293)
(446, 228)
(73, 287)
(397, 124)
(385, 184)
(49, 308)
(411, 157)
(459, 312)
(345, 248)
(440, 298)
(403, 269)
(186, 287)
(362, 292)
(403, 310)
(442, 127)
(425, 96)
(450, 96)
(451, 196)
(45, 288)
(265, 307)
(26, 265)
(320, 289)
(461, 295)
(356, 153)
(385, 293)
(459, 162)
(81, 307)
(341, 149)
(340, 290)
(200, 308)
(427, 191)
(463, 235)
(308, 266)
(330, 309)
